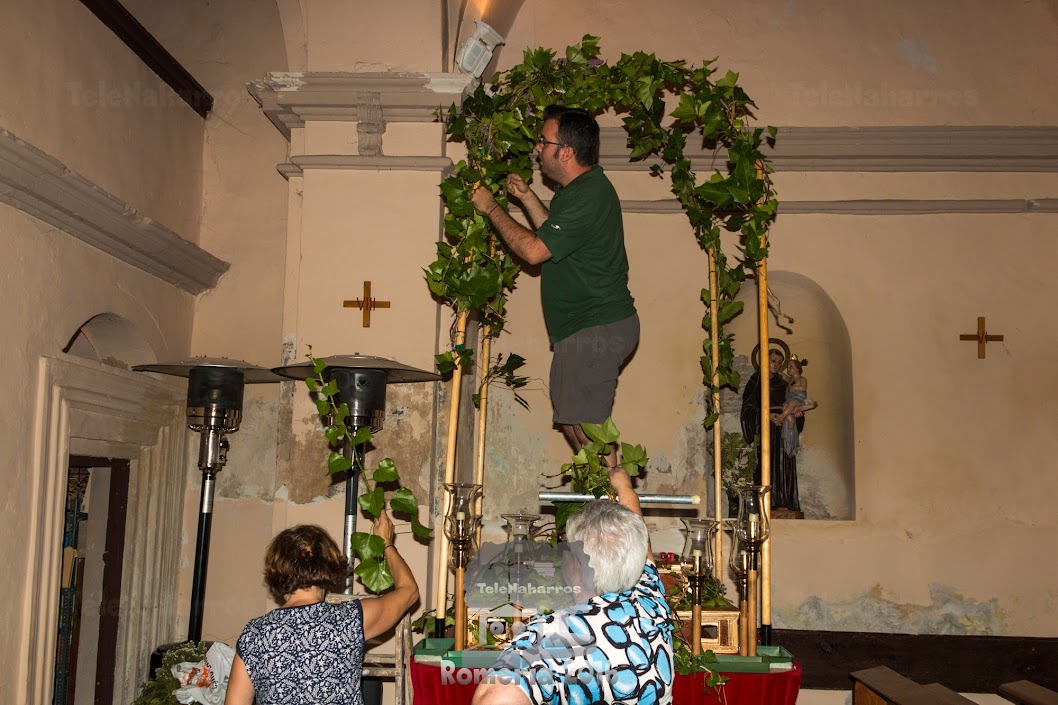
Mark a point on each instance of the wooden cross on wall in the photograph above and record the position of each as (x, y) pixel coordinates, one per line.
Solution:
(982, 337)
(366, 304)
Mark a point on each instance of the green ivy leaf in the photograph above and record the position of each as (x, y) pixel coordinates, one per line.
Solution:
(336, 462)
(372, 502)
(375, 575)
(367, 546)
(404, 502)
(323, 407)
(419, 530)
(386, 471)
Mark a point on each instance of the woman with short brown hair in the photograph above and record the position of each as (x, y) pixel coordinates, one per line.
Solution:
(309, 651)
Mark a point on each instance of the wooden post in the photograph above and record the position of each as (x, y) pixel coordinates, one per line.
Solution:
(751, 612)
(714, 332)
(743, 626)
(765, 440)
(483, 408)
(460, 610)
(441, 599)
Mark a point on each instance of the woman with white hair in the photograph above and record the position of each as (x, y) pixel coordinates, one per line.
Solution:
(616, 647)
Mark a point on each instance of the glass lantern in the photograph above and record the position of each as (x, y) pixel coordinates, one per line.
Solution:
(521, 526)
(740, 559)
(697, 556)
(752, 528)
(462, 519)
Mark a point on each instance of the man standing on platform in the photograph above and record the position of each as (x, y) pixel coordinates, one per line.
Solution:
(590, 314)
(614, 648)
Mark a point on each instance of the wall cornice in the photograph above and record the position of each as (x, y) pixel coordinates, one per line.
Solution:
(875, 207)
(42, 186)
(290, 99)
(880, 149)
(297, 165)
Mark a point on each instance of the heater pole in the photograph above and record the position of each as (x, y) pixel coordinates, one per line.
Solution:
(198, 582)
(352, 489)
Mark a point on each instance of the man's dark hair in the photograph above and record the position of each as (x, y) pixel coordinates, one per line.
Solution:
(578, 129)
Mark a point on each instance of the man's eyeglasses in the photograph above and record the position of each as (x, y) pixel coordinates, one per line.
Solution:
(557, 144)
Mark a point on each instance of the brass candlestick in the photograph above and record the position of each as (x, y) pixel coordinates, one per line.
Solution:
(752, 531)
(460, 527)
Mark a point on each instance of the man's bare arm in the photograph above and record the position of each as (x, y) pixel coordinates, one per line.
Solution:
(522, 241)
(534, 207)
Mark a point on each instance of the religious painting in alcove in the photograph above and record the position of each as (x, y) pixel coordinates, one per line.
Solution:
(789, 403)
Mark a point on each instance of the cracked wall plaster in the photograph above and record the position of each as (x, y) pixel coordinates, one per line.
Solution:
(948, 612)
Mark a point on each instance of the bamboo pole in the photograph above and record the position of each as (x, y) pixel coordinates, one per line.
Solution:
(743, 625)
(765, 434)
(483, 408)
(441, 599)
(714, 332)
(484, 361)
(460, 610)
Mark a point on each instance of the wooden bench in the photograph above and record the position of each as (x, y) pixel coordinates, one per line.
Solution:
(882, 685)
(1028, 693)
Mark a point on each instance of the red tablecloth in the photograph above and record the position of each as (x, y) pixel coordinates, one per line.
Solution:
(779, 688)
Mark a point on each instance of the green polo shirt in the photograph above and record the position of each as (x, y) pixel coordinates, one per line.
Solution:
(585, 283)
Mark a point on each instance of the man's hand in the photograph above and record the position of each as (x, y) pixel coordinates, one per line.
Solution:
(483, 199)
(517, 187)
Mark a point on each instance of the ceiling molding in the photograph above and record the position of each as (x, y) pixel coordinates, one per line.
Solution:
(289, 99)
(45, 188)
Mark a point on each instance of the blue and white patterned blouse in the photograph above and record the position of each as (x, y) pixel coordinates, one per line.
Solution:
(615, 648)
(308, 654)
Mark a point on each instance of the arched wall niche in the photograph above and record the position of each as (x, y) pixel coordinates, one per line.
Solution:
(825, 461)
(112, 340)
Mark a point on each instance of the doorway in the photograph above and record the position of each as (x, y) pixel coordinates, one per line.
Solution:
(93, 543)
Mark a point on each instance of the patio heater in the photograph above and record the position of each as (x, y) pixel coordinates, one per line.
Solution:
(361, 381)
(214, 409)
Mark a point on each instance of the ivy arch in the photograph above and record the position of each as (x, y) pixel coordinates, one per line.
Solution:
(499, 124)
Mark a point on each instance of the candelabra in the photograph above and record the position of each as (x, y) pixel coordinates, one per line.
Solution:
(460, 526)
(697, 565)
(752, 530)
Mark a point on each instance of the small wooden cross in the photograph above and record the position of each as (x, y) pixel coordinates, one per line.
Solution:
(981, 337)
(366, 304)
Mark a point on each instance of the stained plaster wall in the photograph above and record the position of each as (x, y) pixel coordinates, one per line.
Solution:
(71, 89)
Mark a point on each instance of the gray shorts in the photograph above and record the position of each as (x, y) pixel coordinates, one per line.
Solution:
(584, 370)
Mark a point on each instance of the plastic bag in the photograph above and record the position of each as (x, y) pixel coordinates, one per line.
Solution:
(205, 682)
